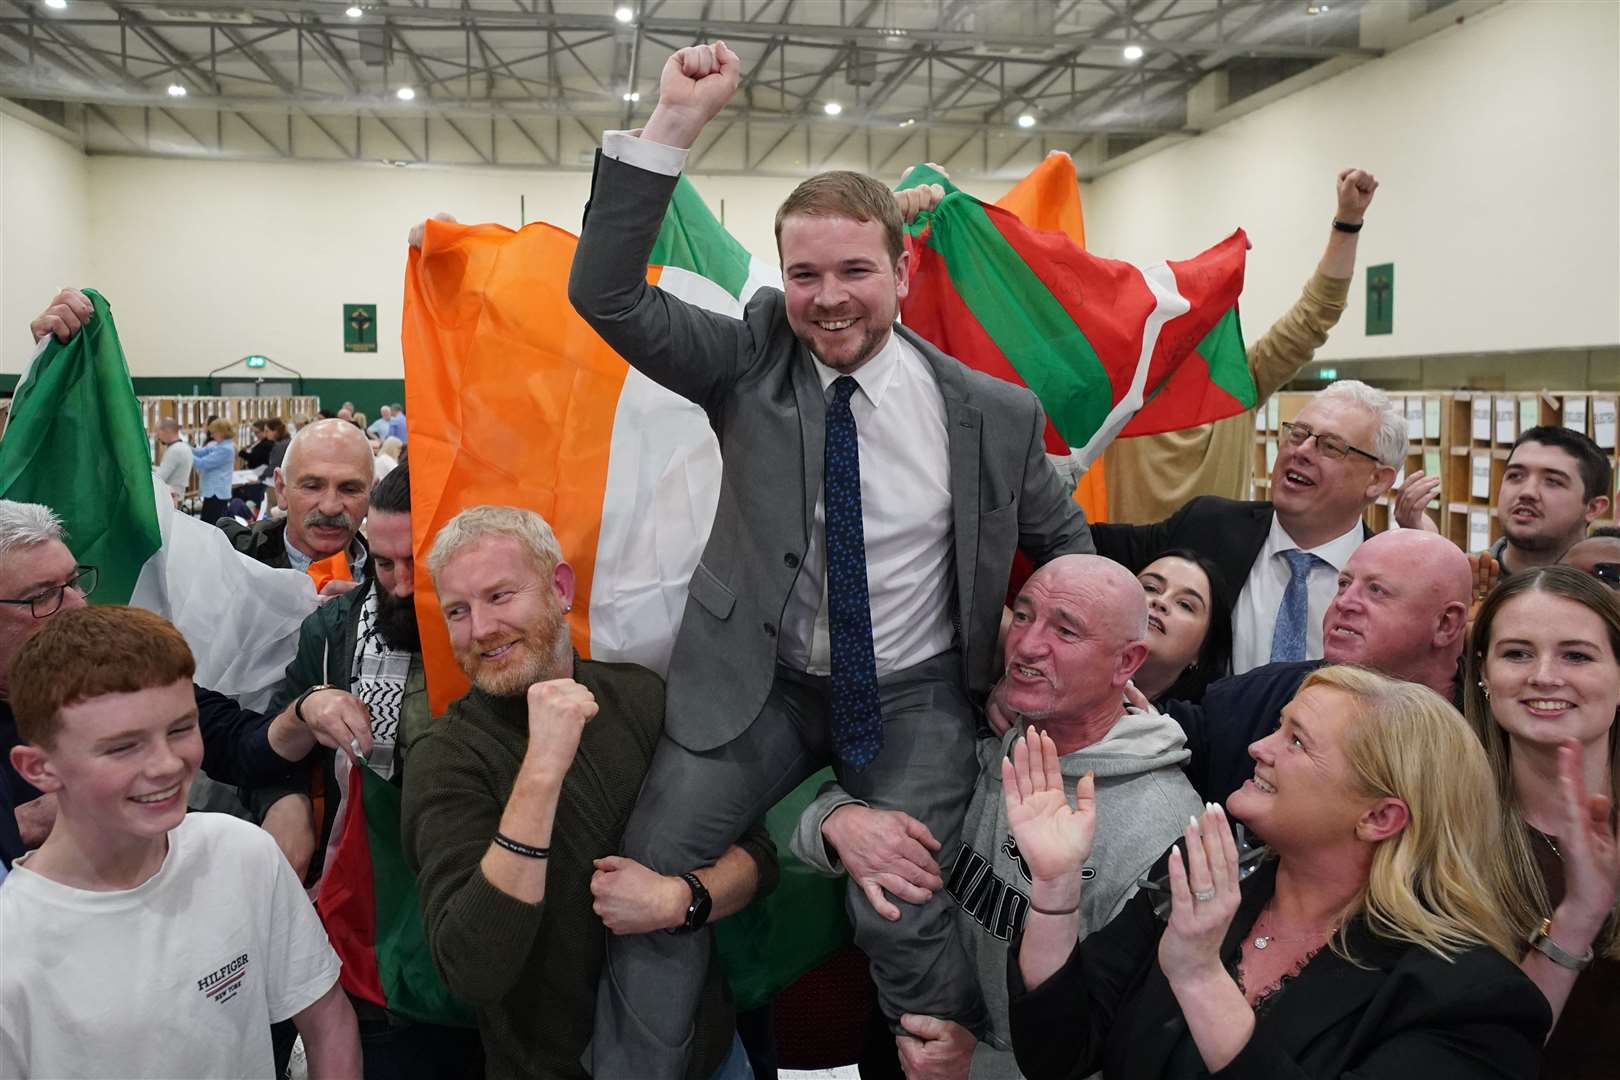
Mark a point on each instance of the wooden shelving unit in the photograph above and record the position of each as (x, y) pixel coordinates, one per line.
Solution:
(193, 413)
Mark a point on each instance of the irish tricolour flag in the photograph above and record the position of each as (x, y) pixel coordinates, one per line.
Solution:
(513, 399)
(75, 443)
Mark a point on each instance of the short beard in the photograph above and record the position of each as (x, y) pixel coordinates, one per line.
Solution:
(396, 621)
(871, 343)
(551, 655)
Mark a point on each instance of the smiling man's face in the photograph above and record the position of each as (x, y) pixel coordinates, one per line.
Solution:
(843, 291)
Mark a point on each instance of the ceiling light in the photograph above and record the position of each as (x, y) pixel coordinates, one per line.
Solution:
(354, 11)
(1026, 121)
(176, 90)
(632, 95)
(908, 121)
(1132, 53)
(405, 93)
(623, 14)
(1316, 8)
(832, 108)
(56, 5)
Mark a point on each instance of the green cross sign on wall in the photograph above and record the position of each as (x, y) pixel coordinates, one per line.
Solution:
(1381, 299)
(360, 328)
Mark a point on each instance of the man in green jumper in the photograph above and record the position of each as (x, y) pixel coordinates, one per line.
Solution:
(516, 802)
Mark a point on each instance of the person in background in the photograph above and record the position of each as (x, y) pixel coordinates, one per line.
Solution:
(215, 462)
(358, 420)
(280, 439)
(1542, 692)
(1149, 477)
(1598, 555)
(324, 483)
(1189, 627)
(388, 455)
(174, 463)
(346, 411)
(1556, 482)
(139, 940)
(380, 426)
(256, 459)
(396, 424)
(1368, 941)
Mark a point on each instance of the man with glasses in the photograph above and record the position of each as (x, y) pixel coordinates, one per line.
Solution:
(38, 579)
(1284, 555)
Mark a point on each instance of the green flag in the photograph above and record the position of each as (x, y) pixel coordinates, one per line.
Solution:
(76, 443)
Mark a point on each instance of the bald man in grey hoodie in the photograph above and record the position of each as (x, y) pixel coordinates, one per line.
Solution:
(1079, 632)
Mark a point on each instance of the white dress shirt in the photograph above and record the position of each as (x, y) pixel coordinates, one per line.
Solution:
(1255, 616)
(905, 496)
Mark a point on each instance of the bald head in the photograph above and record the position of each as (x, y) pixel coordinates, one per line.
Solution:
(1078, 634)
(325, 483)
(1112, 594)
(1402, 608)
(1589, 553)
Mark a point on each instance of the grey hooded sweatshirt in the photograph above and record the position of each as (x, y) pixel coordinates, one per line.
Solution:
(1143, 802)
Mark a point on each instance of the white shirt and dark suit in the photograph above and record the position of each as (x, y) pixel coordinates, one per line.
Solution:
(953, 479)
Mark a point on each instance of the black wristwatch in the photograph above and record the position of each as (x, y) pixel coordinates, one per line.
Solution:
(697, 912)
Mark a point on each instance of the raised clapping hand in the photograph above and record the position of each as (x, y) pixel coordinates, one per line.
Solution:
(1204, 897)
(1411, 500)
(558, 712)
(1053, 837)
(1356, 188)
(1587, 840)
(695, 85)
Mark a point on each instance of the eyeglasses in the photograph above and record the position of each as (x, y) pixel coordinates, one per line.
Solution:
(1608, 573)
(1330, 445)
(48, 601)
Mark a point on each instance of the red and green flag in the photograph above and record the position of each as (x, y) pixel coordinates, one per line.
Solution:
(373, 916)
(1110, 349)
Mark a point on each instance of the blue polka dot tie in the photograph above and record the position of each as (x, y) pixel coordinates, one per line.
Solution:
(1293, 616)
(857, 719)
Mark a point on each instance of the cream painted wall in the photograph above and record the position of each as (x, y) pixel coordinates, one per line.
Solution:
(1497, 148)
(44, 229)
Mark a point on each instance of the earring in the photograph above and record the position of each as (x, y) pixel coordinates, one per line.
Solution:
(1484, 689)
(567, 608)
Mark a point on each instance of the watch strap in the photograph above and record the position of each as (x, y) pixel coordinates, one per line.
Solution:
(298, 706)
(697, 912)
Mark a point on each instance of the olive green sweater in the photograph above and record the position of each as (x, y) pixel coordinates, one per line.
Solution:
(531, 970)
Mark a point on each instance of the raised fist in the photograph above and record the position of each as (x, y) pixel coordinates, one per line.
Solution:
(695, 85)
(558, 712)
(1355, 195)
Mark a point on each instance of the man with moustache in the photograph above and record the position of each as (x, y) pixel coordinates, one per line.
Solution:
(323, 483)
(515, 807)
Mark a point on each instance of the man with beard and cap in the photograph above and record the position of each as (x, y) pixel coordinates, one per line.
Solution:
(323, 483)
(515, 808)
(357, 682)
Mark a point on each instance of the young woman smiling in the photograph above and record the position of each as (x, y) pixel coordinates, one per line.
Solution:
(1543, 691)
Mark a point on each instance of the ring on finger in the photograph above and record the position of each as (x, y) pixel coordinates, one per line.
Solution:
(1204, 896)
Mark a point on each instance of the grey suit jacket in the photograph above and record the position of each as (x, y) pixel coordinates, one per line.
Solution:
(763, 399)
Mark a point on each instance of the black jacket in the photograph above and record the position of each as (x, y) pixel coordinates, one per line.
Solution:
(1403, 1013)
(266, 541)
(1228, 533)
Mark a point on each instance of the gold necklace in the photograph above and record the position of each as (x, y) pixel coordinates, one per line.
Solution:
(1549, 842)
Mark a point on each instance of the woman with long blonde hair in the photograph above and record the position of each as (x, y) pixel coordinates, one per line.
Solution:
(1543, 690)
(1372, 942)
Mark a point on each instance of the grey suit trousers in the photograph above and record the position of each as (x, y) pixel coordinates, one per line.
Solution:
(695, 805)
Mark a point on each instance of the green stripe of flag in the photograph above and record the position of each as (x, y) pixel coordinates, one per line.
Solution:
(76, 443)
(1032, 328)
(1222, 350)
(693, 239)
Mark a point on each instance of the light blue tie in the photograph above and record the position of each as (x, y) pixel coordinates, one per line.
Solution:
(1293, 616)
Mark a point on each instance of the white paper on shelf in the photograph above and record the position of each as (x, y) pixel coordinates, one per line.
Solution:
(1481, 428)
(1603, 422)
(1479, 530)
(1529, 413)
(1506, 420)
(1431, 418)
(1273, 413)
(1414, 416)
(1479, 485)
(1575, 413)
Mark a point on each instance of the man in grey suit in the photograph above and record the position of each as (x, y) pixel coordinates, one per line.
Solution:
(846, 607)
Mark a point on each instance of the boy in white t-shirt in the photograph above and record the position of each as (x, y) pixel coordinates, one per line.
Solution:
(139, 941)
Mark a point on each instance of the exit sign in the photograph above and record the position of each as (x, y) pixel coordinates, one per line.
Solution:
(255, 361)
(1328, 374)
